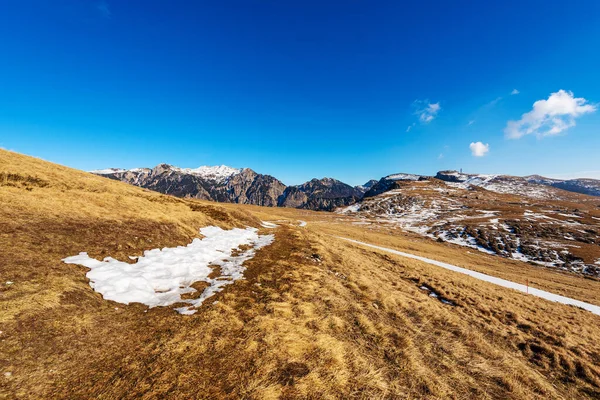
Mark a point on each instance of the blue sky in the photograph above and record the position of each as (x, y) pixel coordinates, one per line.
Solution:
(299, 89)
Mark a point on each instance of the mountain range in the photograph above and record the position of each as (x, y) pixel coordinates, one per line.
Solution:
(540, 220)
(245, 186)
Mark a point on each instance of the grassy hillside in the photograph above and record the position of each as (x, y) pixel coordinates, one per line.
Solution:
(316, 317)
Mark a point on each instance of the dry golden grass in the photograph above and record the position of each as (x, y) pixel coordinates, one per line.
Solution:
(315, 318)
(561, 282)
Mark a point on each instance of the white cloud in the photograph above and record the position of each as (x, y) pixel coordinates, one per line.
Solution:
(479, 149)
(426, 111)
(441, 156)
(514, 91)
(471, 122)
(410, 127)
(550, 117)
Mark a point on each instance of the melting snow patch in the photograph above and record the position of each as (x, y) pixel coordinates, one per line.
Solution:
(216, 173)
(301, 223)
(352, 208)
(464, 240)
(403, 177)
(267, 224)
(108, 171)
(160, 277)
(435, 295)
(570, 215)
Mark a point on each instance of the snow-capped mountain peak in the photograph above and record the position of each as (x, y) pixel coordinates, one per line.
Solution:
(107, 171)
(216, 173)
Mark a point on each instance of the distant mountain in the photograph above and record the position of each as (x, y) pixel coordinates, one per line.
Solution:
(581, 185)
(365, 188)
(320, 194)
(231, 185)
(222, 183)
(533, 186)
(392, 182)
(245, 186)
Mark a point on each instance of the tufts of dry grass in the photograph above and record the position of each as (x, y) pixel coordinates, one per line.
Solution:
(315, 318)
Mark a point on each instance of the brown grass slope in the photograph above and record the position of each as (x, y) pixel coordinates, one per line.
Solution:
(315, 318)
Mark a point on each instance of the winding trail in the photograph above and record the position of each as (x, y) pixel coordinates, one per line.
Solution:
(488, 278)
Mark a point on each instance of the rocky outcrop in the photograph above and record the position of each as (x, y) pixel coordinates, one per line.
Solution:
(320, 194)
(391, 182)
(452, 176)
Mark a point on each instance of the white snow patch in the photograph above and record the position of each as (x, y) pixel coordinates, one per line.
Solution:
(107, 171)
(216, 173)
(491, 279)
(488, 213)
(301, 223)
(467, 241)
(403, 177)
(570, 215)
(160, 277)
(267, 224)
(352, 208)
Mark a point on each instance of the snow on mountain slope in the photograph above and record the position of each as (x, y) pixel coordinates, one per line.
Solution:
(391, 182)
(583, 185)
(501, 184)
(403, 177)
(219, 183)
(217, 173)
(107, 171)
(534, 227)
